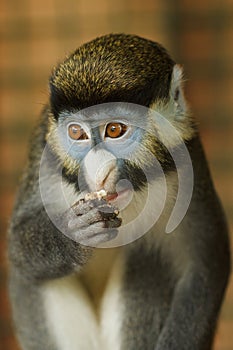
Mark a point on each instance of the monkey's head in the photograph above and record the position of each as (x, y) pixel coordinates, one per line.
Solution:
(122, 68)
(101, 125)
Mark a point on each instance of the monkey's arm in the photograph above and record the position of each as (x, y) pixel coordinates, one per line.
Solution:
(197, 298)
(39, 250)
(193, 314)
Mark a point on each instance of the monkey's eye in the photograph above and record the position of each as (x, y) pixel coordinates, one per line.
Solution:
(76, 132)
(115, 130)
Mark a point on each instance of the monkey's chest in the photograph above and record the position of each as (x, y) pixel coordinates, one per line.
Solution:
(84, 311)
(96, 274)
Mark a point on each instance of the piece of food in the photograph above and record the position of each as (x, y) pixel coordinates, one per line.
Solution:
(98, 199)
(102, 194)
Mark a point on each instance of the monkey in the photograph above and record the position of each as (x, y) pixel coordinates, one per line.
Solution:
(116, 121)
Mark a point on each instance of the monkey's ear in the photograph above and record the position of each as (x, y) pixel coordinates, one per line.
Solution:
(177, 99)
(176, 111)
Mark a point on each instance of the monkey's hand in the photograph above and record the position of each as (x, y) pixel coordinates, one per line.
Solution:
(92, 221)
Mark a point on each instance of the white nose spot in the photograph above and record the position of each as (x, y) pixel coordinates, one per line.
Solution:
(98, 165)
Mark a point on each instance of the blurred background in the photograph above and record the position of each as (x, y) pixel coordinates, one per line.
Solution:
(35, 35)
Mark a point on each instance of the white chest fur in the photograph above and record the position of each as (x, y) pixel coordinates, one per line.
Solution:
(84, 311)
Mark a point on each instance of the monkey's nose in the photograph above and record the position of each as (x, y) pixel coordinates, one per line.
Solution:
(100, 167)
(104, 176)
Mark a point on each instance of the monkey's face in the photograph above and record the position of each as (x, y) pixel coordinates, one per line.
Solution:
(100, 126)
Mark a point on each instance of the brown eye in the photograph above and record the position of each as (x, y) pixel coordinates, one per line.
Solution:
(114, 130)
(76, 132)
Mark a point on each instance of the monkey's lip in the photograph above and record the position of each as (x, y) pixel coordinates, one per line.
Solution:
(111, 196)
(116, 195)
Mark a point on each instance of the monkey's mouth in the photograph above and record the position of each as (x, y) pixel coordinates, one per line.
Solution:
(123, 194)
(111, 196)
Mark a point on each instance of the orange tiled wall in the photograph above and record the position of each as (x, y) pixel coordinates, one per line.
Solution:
(36, 34)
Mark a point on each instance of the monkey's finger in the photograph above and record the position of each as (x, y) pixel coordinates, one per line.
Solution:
(94, 215)
(94, 234)
(114, 223)
(82, 207)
